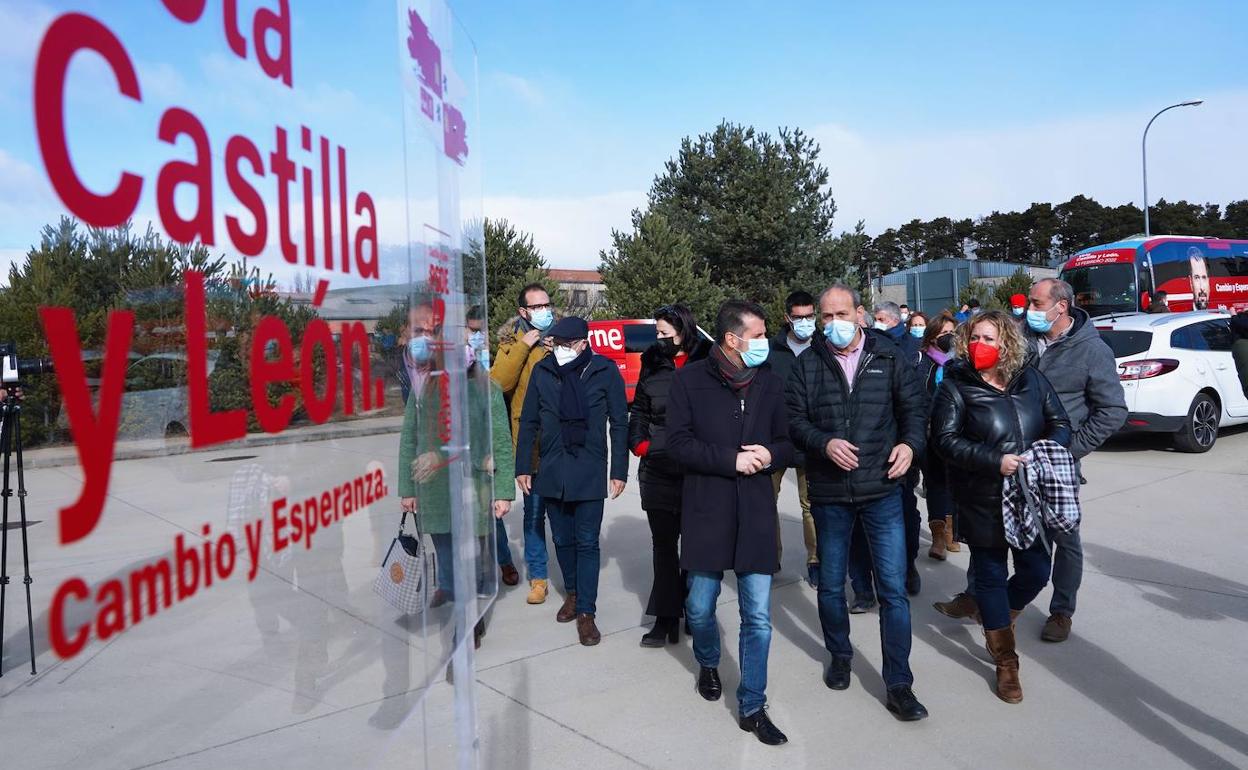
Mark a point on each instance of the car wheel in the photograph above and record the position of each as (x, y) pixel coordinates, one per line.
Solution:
(1201, 428)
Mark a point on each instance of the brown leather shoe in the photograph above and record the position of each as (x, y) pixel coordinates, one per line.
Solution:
(1057, 629)
(1000, 644)
(567, 613)
(937, 550)
(960, 607)
(511, 577)
(951, 545)
(587, 629)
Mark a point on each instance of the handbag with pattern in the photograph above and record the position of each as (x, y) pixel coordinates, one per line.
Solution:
(406, 573)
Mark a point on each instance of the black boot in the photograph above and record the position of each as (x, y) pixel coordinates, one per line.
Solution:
(760, 724)
(836, 676)
(666, 630)
(904, 705)
(709, 686)
(914, 583)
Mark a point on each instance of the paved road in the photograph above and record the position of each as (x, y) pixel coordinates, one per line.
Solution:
(1153, 676)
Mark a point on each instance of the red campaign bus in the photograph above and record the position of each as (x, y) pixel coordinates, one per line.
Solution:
(623, 341)
(1196, 274)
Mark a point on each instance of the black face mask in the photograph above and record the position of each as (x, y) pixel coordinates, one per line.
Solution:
(668, 346)
(945, 342)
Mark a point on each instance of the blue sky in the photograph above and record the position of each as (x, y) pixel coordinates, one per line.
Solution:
(922, 109)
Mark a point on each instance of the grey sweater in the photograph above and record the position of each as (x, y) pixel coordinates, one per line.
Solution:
(1081, 367)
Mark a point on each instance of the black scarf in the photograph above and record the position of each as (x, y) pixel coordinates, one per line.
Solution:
(572, 416)
(737, 377)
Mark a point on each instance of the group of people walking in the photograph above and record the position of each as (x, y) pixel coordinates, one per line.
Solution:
(986, 416)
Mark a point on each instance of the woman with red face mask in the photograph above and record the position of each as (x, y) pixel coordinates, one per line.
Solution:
(991, 407)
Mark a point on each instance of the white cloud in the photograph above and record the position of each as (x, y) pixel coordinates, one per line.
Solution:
(569, 231)
(1195, 154)
(524, 89)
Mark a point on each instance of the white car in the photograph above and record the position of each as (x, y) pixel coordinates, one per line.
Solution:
(1177, 374)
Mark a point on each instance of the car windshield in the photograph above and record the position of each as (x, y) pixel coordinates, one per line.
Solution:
(1104, 289)
(1126, 343)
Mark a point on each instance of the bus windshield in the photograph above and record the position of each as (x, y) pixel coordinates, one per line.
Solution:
(1104, 289)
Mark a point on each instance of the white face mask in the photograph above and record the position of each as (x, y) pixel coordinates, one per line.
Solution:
(565, 355)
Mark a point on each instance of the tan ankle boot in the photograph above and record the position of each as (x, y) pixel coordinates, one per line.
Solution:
(951, 545)
(1000, 644)
(937, 550)
(537, 591)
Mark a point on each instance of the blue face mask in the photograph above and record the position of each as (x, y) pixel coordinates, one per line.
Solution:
(756, 353)
(804, 328)
(418, 348)
(1039, 321)
(917, 331)
(542, 319)
(840, 332)
(1018, 311)
(476, 340)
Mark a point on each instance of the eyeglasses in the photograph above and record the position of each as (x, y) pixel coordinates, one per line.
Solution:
(807, 317)
(545, 306)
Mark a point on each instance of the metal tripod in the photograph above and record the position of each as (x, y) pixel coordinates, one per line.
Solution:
(10, 443)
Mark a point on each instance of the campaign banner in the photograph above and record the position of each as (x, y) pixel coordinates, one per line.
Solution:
(239, 239)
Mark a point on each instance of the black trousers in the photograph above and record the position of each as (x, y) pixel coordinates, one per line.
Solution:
(667, 597)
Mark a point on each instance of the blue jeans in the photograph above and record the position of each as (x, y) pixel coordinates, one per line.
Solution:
(860, 578)
(575, 527)
(446, 564)
(535, 536)
(883, 524)
(502, 545)
(444, 548)
(996, 594)
(1067, 560)
(754, 601)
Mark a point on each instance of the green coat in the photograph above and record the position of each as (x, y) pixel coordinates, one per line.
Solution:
(420, 435)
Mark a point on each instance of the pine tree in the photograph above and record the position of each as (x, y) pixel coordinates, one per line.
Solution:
(652, 266)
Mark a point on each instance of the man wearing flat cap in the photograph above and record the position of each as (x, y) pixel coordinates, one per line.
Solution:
(573, 396)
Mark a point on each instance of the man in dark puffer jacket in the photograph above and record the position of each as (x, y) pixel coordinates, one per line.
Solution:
(858, 411)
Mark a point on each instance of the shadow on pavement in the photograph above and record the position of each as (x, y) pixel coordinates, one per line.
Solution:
(1140, 703)
(627, 542)
(1170, 584)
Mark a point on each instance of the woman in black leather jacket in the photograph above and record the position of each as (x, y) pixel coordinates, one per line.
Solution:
(678, 343)
(991, 406)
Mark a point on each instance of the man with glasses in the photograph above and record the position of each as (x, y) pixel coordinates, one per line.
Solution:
(522, 343)
(786, 346)
(576, 399)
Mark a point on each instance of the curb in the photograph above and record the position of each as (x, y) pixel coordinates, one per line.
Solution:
(55, 457)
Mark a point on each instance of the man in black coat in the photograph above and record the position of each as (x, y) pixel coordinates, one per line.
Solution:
(573, 395)
(889, 322)
(793, 340)
(726, 426)
(858, 411)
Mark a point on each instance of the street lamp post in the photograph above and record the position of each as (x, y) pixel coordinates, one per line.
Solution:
(1144, 153)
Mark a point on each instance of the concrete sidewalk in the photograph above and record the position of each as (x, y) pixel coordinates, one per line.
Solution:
(1152, 677)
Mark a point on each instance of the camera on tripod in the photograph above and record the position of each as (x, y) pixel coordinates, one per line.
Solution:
(14, 369)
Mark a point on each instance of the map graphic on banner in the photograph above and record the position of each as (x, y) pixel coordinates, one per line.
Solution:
(445, 120)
